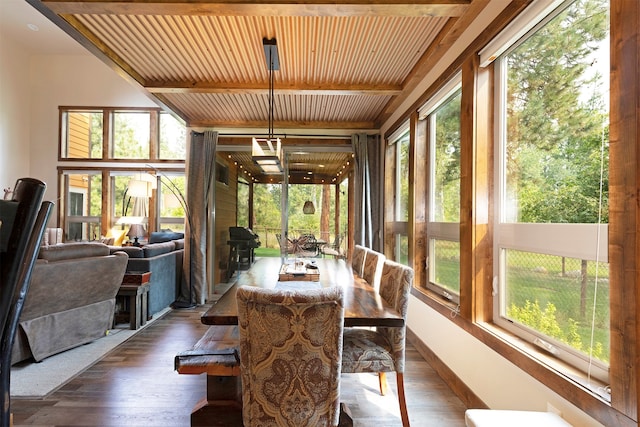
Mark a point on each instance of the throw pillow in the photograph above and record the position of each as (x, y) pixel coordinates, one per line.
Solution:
(118, 236)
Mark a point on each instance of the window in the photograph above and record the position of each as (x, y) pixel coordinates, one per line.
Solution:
(173, 138)
(443, 229)
(171, 196)
(131, 134)
(83, 196)
(81, 134)
(551, 177)
(138, 139)
(399, 145)
(242, 204)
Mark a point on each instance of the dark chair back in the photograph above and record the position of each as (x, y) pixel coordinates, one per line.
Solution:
(24, 220)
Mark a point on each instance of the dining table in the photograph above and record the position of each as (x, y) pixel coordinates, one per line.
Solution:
(363, 306)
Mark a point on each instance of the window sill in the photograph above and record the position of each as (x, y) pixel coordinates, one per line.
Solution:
(571, 385)
(580, 378)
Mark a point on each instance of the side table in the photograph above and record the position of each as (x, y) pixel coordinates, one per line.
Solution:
(135, 288)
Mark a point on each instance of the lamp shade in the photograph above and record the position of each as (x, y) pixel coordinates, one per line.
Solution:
(308, 207)
(139, 188)
(136, 230)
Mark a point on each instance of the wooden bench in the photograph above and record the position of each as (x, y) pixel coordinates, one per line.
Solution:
(216, 355)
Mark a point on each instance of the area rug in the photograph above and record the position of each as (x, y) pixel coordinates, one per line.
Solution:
(36, 380)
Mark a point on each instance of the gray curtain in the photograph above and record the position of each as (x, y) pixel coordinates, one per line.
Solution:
(368, 191)
(200, 172)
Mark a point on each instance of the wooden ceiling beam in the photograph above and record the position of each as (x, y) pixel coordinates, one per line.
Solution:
(283, 125)
(263, 89)
(297, 141)
(262, 8)
(441, 45)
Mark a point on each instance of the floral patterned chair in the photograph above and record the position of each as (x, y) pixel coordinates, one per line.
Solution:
(382, 350)
(357, 261)
(290, 353)
(372, 269)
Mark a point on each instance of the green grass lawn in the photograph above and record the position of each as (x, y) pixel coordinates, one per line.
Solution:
(547, 279)
(267, 252)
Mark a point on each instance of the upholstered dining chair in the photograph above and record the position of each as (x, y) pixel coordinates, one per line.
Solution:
(290, 353)
(357, 259)
(372, 269)
(382, 349)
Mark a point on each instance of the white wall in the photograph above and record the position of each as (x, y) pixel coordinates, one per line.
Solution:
(14, 114)
(32, 87)
(495, 380)
(69, 80)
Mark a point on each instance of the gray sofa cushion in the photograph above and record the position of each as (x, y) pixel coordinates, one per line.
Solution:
(164, 236)
(73, 250)
(155, 249)
(132, 251)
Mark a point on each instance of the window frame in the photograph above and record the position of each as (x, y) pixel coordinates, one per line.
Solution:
(109, 167)
(474, 316)
(438, 230)
(557, 239)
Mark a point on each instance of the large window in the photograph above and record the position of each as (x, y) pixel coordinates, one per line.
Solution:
(100, 194)
(128, 134)
(443, 230)
(551, 176)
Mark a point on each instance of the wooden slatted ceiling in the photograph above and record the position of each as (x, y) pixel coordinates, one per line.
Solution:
(335, 71)
(343, 63)
(328, 111)
(228, 49)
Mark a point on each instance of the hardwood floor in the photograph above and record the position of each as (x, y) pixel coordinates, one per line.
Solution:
(135, 385)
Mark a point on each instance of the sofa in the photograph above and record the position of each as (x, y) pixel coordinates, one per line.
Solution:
(162, 256)
(71, 299)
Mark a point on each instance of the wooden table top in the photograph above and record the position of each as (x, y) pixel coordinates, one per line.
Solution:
(363, 305)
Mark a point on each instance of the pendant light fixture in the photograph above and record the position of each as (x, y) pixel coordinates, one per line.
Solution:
(308, 208)
(267, 152)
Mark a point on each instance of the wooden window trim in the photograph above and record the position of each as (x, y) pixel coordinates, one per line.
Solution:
(624, 240)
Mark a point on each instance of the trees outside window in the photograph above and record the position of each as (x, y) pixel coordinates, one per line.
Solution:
(131, 134)
(443, 230)
(173, 138)
(397, 195)
(553, 187)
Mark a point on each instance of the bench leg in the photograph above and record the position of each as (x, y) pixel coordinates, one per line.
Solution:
(223, 404)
